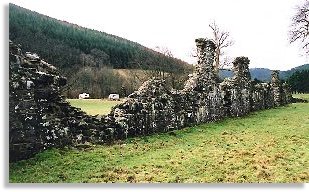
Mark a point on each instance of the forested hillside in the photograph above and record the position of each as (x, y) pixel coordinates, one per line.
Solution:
(85, 55)
(286, 74)
(299, 81)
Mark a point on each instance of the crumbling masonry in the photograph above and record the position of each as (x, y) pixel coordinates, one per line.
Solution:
(41, 118)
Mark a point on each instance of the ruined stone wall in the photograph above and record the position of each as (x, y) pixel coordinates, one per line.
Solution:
(202, 100)
(204, 94)
(41, 118)
(154, 109)
(236, 92)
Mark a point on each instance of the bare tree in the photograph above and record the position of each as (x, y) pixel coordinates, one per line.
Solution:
(227, 62)
(222, 40)
(164, 50)
(174, 78)
(165, 53)
(300, 26)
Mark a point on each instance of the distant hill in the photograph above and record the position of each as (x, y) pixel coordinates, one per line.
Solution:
(288, 73)
(88, 57)
(264, 74)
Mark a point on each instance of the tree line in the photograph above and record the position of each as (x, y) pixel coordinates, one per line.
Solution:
(299, 81)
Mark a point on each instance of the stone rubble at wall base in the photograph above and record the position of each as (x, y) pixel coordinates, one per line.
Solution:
(41, 118)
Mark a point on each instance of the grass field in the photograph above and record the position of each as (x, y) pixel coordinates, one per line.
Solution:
(94, 106)
(302, 96)
(265, 146)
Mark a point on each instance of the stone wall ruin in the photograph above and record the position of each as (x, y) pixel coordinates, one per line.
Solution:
(41, 118)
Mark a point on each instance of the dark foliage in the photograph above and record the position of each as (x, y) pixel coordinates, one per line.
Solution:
(299, 81)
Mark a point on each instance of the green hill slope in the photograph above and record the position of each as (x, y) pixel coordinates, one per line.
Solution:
(73, 49)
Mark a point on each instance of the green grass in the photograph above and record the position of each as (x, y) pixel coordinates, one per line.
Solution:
(94, 106)
(302, 96)
(265, 146)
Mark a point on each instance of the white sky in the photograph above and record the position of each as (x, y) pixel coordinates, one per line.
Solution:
(259, 28)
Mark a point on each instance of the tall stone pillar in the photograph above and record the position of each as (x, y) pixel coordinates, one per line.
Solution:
(287, 93)
(206, 57)
(204, 78)
(276, 86)
(241, 70)
(241, 96)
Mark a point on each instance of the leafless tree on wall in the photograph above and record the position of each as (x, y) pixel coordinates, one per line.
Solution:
(300, 26)
(222, 40)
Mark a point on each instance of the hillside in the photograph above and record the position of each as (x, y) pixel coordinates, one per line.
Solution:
(288, 73)
(264, 74)
(66, 45)
(81, 53)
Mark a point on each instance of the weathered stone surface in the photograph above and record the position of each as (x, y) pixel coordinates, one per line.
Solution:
(276, 88)
(40, 117)
(204, 76)
(237, 92)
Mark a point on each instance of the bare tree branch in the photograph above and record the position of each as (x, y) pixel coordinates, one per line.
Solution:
(164, 50)
(300, 26)
(227, 62)
(222, 40)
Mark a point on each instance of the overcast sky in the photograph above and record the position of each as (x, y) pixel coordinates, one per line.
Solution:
(259, 28)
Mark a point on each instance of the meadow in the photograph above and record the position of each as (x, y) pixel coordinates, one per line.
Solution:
(264, 146)
(94, 106)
